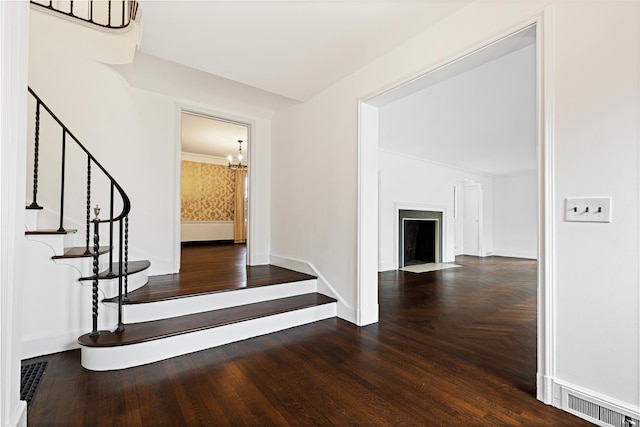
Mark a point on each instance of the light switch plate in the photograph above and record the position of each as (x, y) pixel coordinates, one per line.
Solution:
(588, 209)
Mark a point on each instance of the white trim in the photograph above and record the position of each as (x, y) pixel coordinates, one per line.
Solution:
(206, 222)
(403, 206)
(14, 57)
(203, 158)
(198, 110)
(546, 205)
(367, 251)
(344, 310)
(515, 254)
(40, 346)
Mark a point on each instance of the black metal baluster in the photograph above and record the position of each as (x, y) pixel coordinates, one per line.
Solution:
(96, 254)
(109, 22)
(124, 8)
(36, 154)
(111, 234)
(120, 327)
(90, 11)
(64, 144)
(87, 251)
(126, 258)
(71, 10)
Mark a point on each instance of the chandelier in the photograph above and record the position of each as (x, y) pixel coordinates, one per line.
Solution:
(238, 163)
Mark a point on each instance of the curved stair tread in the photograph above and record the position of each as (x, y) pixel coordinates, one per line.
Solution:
(147, 331)
(170, 286)
(80, 252)
(133, 267)
(49, 232)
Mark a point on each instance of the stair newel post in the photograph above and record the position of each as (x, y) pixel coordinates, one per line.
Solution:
(96, 268)
(120, 327)
(64, 147)
(87, 251)
(126, 258)
(36, 153)
(111, 232)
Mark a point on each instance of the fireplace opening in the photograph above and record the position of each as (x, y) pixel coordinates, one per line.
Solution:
(420, 238)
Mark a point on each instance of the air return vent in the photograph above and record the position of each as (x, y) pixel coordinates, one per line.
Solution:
(605, 415)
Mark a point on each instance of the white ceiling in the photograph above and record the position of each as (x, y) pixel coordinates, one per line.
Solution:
(296, 48)
(477, 114)
(291, 48)
(209, 137)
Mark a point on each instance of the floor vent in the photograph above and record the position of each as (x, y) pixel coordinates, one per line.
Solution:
(605, 415)
(30, 380)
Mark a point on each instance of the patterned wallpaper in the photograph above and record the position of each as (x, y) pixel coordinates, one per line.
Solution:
(208, 192)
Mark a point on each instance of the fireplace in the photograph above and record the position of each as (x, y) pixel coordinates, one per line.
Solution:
(419, 241)
(420, 235)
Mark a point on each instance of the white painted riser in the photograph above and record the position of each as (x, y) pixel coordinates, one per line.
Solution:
(136, 313)
(121, 357)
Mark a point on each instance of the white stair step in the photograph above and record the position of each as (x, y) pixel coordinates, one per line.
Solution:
(148, 342)
(174, 307)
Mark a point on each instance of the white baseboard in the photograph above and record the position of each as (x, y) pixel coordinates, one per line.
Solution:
(260, 259)
(516, 254)
(344, 310)
(387, 266)
(49, 345)
(19, 418)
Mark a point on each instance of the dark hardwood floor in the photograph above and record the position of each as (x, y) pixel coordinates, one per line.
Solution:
(453, 347)
(212, 268)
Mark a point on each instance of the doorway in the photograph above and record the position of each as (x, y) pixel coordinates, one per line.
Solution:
(443, 173)
(472, 229)
(214, 194)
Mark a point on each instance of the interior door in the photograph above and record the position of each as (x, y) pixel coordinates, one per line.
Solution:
(471, 220)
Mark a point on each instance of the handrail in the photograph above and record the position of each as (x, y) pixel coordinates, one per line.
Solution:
(122, 218)
(111, 11)
(125, 199)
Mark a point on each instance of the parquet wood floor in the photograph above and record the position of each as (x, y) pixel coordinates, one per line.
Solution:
(453, 347)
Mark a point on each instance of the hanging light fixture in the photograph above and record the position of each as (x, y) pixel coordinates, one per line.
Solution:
(238, 163)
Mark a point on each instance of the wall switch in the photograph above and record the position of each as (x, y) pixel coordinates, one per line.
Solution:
(588, 209)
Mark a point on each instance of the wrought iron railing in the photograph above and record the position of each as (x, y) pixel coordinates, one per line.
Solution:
(104, 13)
(92, 244)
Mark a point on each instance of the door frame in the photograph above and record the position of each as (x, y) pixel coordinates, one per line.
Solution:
(368, 210)
(480, 218)
(251, 185)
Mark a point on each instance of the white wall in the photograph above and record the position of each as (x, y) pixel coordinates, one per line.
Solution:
(135, 134)
(596, 133)
(409, 181)
(515, 215)
(593, 65)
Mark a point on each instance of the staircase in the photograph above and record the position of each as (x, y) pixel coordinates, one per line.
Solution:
(137, 319)
(79, 273)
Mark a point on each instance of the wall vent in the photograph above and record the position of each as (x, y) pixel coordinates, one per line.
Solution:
(605, 415)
